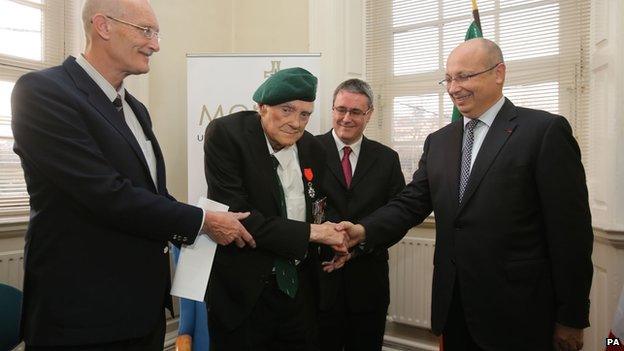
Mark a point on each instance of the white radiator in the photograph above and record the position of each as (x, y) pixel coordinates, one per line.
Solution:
(12, 268)
(411, 272)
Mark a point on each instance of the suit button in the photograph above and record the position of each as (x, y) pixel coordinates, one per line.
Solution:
(166, 249)
(453, 261)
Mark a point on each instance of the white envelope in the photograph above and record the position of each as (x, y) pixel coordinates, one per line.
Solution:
(195, 261)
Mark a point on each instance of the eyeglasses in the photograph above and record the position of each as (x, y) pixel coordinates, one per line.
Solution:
(446, 82)
(148, 32)
(353, 112)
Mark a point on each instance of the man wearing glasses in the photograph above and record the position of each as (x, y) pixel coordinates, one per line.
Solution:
(96, 258)
(512, 266)
(362, 175)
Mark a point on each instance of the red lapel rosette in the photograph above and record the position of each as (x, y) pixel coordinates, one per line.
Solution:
(307, 173)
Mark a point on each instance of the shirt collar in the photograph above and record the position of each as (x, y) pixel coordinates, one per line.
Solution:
(106, 87)
(355, 147)
(488, 116)
(283, 156)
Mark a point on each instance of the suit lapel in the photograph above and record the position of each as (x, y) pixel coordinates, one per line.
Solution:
(143, 119)
(363, 163)
(260, 151)
(100, 102)
(500, 130)
(333, 158)
(305, 161)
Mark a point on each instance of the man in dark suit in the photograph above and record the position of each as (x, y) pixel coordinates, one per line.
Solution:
(96, 255)
(363, 175)
(266, 163)
(512, 264)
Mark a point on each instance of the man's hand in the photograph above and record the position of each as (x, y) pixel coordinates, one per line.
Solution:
(567, 339)
(337, 262)
(327, 234)
(356, 232)
(225, 228)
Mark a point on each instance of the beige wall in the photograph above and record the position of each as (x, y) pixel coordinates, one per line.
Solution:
(241, 26)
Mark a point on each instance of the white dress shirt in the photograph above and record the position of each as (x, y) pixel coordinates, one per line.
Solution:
(289, 173)
(481, 129)
(355, 150)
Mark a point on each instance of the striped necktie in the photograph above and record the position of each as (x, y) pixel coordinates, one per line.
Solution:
(466, 157)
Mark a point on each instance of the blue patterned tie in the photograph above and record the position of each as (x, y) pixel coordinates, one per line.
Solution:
(466, 156)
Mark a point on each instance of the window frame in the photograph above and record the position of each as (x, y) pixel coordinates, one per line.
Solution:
(60, 27)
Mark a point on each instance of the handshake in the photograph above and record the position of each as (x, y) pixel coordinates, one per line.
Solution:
(225, 228)
(340, 237)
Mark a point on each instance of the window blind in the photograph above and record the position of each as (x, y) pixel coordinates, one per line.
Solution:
(34, 34)
(544, 42)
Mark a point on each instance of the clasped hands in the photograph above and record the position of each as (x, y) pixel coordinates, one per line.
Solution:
(225, 228)
(340, 237)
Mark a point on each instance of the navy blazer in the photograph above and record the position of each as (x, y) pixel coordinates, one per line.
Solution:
(96, 261)
(519, 245)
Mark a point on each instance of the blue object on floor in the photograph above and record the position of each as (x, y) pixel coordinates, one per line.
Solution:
(10, 314)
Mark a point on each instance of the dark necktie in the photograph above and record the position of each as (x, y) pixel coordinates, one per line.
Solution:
(285, 270)
(466, 157)
(346, 166)
(118, 105)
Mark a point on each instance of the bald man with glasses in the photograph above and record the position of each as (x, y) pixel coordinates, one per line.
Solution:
(512, 263)
(96, 273)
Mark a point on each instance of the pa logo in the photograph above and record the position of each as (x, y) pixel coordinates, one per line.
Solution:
(613, 342)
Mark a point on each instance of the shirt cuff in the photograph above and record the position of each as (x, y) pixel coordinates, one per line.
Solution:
(199, 231)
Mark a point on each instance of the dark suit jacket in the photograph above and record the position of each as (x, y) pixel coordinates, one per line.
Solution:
(519, 244)
(240, 174)
(377, 178)
(96, 269)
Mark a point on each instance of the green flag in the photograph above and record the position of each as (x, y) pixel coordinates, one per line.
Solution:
(473, 32)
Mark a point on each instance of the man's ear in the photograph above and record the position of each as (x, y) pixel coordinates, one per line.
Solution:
(500, 73)
(101, 26)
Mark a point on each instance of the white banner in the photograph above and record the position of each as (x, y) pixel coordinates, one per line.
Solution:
(221, 84)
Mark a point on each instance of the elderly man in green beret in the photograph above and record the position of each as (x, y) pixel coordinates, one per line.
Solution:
(265, 163)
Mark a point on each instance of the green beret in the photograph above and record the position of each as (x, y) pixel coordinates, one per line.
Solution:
(287, 85)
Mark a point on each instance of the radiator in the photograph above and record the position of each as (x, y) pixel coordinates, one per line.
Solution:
(411, 272)
(12, 268)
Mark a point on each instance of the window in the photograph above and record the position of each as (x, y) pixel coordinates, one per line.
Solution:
(545, 44)
(34, 34)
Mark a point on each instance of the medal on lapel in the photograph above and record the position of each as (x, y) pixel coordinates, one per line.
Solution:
(318, 206)
(307, 173)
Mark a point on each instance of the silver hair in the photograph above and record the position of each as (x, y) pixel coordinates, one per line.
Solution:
(356, 86)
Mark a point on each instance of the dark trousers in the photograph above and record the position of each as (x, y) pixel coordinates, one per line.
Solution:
(154, 341)
(342, 329)
(276, 323)
(456, 336)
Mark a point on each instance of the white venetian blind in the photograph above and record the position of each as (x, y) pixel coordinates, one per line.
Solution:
(34, 34)
(545, 45)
